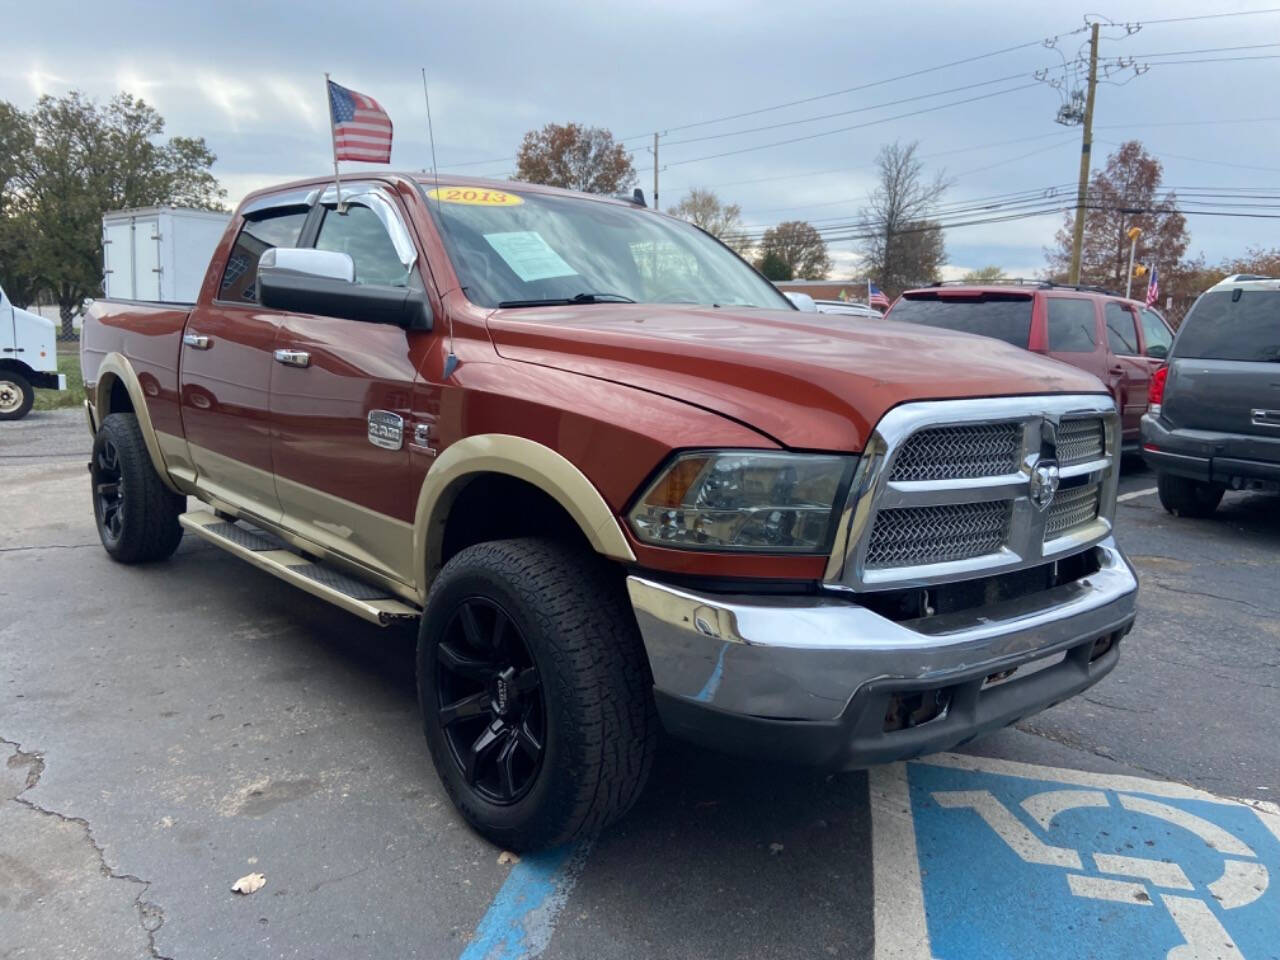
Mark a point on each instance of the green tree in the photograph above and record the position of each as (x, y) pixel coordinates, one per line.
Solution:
(81, 159)
(798, 246)
(983, 275)
(576, 158)
(15, 232)
(722, 220)
(774, 267)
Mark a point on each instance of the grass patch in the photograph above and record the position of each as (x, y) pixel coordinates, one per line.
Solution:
(73, 396)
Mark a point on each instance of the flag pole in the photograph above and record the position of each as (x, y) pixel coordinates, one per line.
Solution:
(333, 136)
(869, 307)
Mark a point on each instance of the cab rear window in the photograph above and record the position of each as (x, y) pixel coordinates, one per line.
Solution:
(1003, 316)
(1232, 325)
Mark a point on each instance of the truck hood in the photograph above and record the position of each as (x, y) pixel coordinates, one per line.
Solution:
(817, 385)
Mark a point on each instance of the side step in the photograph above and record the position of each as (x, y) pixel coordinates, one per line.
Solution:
(270, 553)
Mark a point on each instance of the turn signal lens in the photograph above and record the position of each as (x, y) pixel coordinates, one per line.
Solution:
(762, 502)
(1155, 390)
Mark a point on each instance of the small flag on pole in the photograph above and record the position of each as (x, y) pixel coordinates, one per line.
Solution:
(1153, 288)
(361, 128)
(876, 297)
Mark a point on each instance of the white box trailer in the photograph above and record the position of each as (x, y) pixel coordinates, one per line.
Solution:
(158, 253)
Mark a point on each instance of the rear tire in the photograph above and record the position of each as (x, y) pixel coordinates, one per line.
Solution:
(16, 395)
(566, 674)
(137, 515)
(1184, 497)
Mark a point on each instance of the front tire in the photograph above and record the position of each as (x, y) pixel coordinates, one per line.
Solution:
(536, 695)
(1184, 497)
(137, 515)
(16, 395)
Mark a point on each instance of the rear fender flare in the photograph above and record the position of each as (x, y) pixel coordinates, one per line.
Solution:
(525, 460)
(115, 367)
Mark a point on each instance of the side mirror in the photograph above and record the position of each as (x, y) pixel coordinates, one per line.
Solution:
(1158, 351)
(322, 282)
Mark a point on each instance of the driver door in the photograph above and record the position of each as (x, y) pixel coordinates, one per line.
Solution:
(342, 483)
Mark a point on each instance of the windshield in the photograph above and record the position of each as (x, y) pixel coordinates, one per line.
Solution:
(525, 248)
(1232, 325)
(1003, 316)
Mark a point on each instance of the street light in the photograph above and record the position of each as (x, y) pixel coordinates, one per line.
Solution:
(1134, 233)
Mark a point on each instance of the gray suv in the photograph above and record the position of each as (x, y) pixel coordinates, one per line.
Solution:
(1214, 416)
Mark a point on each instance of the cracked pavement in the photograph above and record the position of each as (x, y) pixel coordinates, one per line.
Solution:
(166, 730)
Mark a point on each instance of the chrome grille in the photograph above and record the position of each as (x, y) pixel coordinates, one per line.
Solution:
(1080, 440)
(909, 536)
(960, 453)
(1071, 509)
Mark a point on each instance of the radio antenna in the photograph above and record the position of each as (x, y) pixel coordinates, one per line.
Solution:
(451, 360)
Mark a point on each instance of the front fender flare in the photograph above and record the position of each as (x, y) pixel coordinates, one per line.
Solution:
(525, 460)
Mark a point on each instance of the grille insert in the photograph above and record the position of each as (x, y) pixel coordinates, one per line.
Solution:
(1080, 440)
(910, 536)
(1071, 509)
(960, 452)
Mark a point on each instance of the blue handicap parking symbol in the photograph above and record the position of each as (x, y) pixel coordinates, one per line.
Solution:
(1020, 866)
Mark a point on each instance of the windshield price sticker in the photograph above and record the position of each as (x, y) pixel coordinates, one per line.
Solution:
(476, 196)
(529, 256)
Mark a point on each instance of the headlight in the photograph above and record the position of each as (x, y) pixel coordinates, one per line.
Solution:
(763, 502)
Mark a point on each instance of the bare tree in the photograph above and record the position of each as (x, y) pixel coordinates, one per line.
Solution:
(723, 220)
(906, 249)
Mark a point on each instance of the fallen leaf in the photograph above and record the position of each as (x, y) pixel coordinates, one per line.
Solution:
(249, 883)
(506, 857)
(775, 848)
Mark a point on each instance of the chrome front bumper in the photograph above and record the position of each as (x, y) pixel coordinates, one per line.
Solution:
(824, 661)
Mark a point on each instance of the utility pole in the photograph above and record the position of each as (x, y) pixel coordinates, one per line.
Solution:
(655, 172)
(1086, 146)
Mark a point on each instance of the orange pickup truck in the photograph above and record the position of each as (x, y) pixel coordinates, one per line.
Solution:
(621, 483)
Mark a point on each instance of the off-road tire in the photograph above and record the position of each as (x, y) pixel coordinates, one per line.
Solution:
(601, 727)
(1184, 497)
(10, 383)
(147, 528)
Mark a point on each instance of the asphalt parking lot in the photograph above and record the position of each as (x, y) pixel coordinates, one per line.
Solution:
(166, 730)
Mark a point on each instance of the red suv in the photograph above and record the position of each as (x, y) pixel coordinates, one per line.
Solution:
(1122, 342)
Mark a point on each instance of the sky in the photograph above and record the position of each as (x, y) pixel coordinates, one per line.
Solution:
(248, 77)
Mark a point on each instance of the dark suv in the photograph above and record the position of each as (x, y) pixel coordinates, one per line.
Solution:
(1121, 342)
(1214, 419)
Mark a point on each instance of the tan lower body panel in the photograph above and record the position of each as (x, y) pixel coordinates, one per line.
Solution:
(289, 566)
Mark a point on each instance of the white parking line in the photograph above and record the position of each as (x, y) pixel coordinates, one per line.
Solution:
(1135, 494)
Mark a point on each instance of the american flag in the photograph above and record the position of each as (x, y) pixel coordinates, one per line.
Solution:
(876, 297)
(361, 128)
(1153, 288)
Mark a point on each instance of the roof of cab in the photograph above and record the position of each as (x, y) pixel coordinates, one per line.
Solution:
(444, 180)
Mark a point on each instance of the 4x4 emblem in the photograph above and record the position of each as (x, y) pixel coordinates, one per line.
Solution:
(1044, 483)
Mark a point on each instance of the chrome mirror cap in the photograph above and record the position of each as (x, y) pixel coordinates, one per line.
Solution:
(329, 264)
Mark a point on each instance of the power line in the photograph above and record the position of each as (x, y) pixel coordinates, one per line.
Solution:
(1183, 123)
(1189, 53)
(856, 126)
(1216, 163)
(845, 113)
(1208, 16)
(863, 86)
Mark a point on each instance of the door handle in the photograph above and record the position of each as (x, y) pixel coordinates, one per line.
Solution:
(196, 341)
(1118, 371)
(293, 358)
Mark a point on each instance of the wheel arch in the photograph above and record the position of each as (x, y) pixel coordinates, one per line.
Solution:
(521, 459)
(118, 382)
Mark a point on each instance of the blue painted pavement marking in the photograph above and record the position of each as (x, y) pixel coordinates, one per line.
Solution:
(1019, 861)
(521, 919)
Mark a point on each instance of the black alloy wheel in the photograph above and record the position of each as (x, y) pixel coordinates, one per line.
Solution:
(108, 490)
(492, 711)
